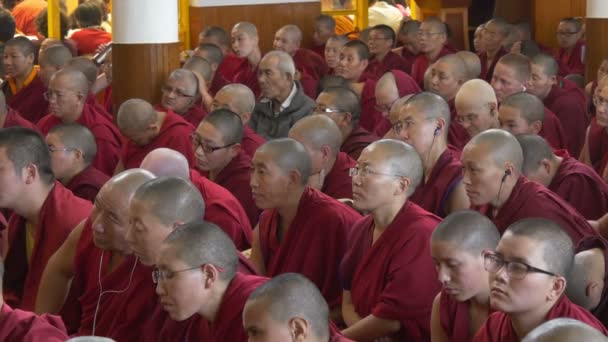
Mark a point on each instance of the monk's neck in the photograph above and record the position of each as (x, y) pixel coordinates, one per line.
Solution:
(65, 180)
(32, 201)
(556, 162)
(254, 57)
(357, 87)
(213, 305)
(160, 120)
(525, 322)
(380, 56)
(289, 211)
(491, 54)
(504, 193)
(346, 132)
(433, 55)
(278, 101)
(432, 156)
(20, 80)
(75, 114)
(213, 174)
(385, 215)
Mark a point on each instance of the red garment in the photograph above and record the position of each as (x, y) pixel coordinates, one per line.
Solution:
(25, 326)
(498, 327)
(454, 318)
(87, 183)
(394, 278)
(324, 223)
(552, 130)
(247, 75)
(235, 178)
(370, 117)
(569, 107)
(194, 115)
(338, 182)
(319, 50)
(229, 66)
(107, 104)
(29, 101)
(175, 134)
(422, 62)
(392, 61)
(530, 199)
(571, 62)
(409, 58)
(218, 82)
(251, 141)
(88, 40)
(25, 14)
(310, 62)
(598, 146)
(358, 139)
(14, 119)
(92, 100)
(457, 135)
(228, 323)
(406, 85)
(581, 186)
(223, 209)
(60, 213)
(309, 84)
(107, 136)
(433, 194)
(601, 311)
(487, 69)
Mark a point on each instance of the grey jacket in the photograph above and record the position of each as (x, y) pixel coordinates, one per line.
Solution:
(272, 126)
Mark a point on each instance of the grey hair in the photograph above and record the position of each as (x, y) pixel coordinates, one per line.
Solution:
(286, 64)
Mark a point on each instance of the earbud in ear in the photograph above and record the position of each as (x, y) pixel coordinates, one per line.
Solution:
(507, 174)
(437, 130)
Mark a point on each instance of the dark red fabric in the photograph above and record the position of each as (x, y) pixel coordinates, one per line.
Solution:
(324, 223)
(235, 178)
(601, 311)
(581, 186)
(569, 107)
(433, 194)
(406, 85)
(228, 323)
(553, 131)
(251, 141)
(194, 115)
(29, 101)
(229, 66)
(598, 146)
(422, 62)
(392, 61)
(358, 139)
(487, 68)
(107, 136)
(498, 327)
(89, 39)
(87, 183)
(218, 82)
(319, 50)
(223, 209)
(175, 134)
(310, 62)
(457, 135)
(247, 75)
(25, 326)
(454, 318)
(409, 59)
(530, 199)
(571, 62)
(14, 119)
(60, 213)
(338, 183)
(394, 278)
(107, 104)
(370, 117)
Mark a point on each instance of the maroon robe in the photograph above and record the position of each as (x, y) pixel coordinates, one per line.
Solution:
(310, 62)
(487, 68)
(601, 311)
(598, 146)
(569, 107)
(370, 117)
(224, 210)
(309, 84)
(446, 175)
(409, 58)
(394, 278)
(319, 49)
(251, 141)
(392, 61)
(530, 199)
(25, 326)
(107, 103)
(60, 213)
(194, 115)
(356, 141)
(457, 134)
(87, 183)
(454, 318)
(235, 178)
(14, 119)
(498, 326)
(107, 136)
(422, 62)
(29, 101)
(228, 322)
(581, 186)
(571, 62)
(175, 133)
(338, 182)
(552, 130)
(324, 223)
(247, 75)
(229, 66)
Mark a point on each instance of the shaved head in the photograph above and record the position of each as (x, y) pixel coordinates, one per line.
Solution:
(347, 100)
(126, 184)
(74, 80)
(135, 115)
(535, 150)
(293, 33)
(501, 25)
(564, 330)
(165, 162)
(241, 99)
(435, 24)
(548, 63)
(86, 66)
(476, 91)
(327, 21)
(410, 27)
(246, 27)
(401, 159)
(469, 231)
(289, 155)
(519, 64)
(530, 107)
(228, 123)
(289, 296)
(217, 35)
(79, 137)
(501, 145)
(456, 64)
(387, 85)
(57, 56)
(432, 105)
(23, 44)
(211, 52)
(472, 62)
(200, 66)
(187, 76)
(317, 131)
(200, 243)
(587, 279)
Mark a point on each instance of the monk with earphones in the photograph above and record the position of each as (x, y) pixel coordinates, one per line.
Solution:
(423, 122)
(492, 168)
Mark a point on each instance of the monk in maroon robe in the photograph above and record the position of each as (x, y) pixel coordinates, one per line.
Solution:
(73, 149)
(492, 164)
(219, 155)
(441, 190)
(381, 41)
(245, 43)
(388, 248)
(476, 107)
(572, 180)
(409, 42)
(67, 108)
(568, 103)
(324, 28)
(432, 39)
(10, 118)
(527, 281)
(495, 32)
(228, 288)
(43, 213)
(391, 87)
(229, 63)
(570, 55)
(595, 150)
(19, 325)
(145, 129)
(294, 211)
(23, 88)
(181, 95)
(462, 306)
(341, 104)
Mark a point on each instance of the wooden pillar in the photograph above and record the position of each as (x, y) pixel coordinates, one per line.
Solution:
(596, 33)
(145, 48)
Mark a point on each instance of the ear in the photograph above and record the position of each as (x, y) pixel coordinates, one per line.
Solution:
(441, 124)
(298, 328)
(348, 118)
(79, 154)
(326, 152)
(235, 149)
(511, 168)
(211, 275)
(404, 184)
(295, 177)
(245, 117)
(536, 126)
(558, 288)
(553, 79)
(493, 106)
(546, 166)
(365, 62)
(29, 173)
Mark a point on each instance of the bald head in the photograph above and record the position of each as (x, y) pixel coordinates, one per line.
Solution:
(478, 92)
(165, 162)
(587, 279)
(77, 136)
(432, 105)
(200, 66)
(501, 145)
(472, 62)
(56, 56)
(535, 150)
(292, 32)
(71, 79)
(210, 52)
(22, 43)
(347, 100)
(547, 63)
(86, 66)
(125, 184)
(530, 107)
(316, 131)
(237, 97)
(502, 26)
(228, 123)
(387, 85)
(467, 230)
(518, 64)
(187, 77)
(400, 158)
(564, 330)
(289, 296)
(456, 65)
(435, 24)
(247, 28)
(290, 155)
(135, 115)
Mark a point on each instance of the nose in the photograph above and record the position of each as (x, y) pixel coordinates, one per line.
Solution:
(97, 225)
(253, 181)
(160, 288)
(466, 179)
(442, 275)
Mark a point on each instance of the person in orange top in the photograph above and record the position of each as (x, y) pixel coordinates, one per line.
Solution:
(25, 14)
(88, 17)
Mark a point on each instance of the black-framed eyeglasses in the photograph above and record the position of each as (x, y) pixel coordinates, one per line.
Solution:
(53, 149)
(208, 149)
(49, 94)
(366, 171)
(515, 269)
(326, 110)
(168, 90)
(159, 275)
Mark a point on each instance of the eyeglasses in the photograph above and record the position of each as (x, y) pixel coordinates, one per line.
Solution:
(566, 33)
(49, 94)
(427, 33)
(55, 149)
(515, 269)
(198, 142)
(600, 102)
(168, 90)
(326, 110)
(365, 171)
(159, 275)
(375, 39)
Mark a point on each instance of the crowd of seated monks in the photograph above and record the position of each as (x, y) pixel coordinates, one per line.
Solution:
(391, 189)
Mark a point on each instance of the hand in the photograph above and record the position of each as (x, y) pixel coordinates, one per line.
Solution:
(516, 48)
(317, 180)
(595, 225)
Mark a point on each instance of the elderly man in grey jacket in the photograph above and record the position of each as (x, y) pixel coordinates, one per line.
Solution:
(283, 101)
